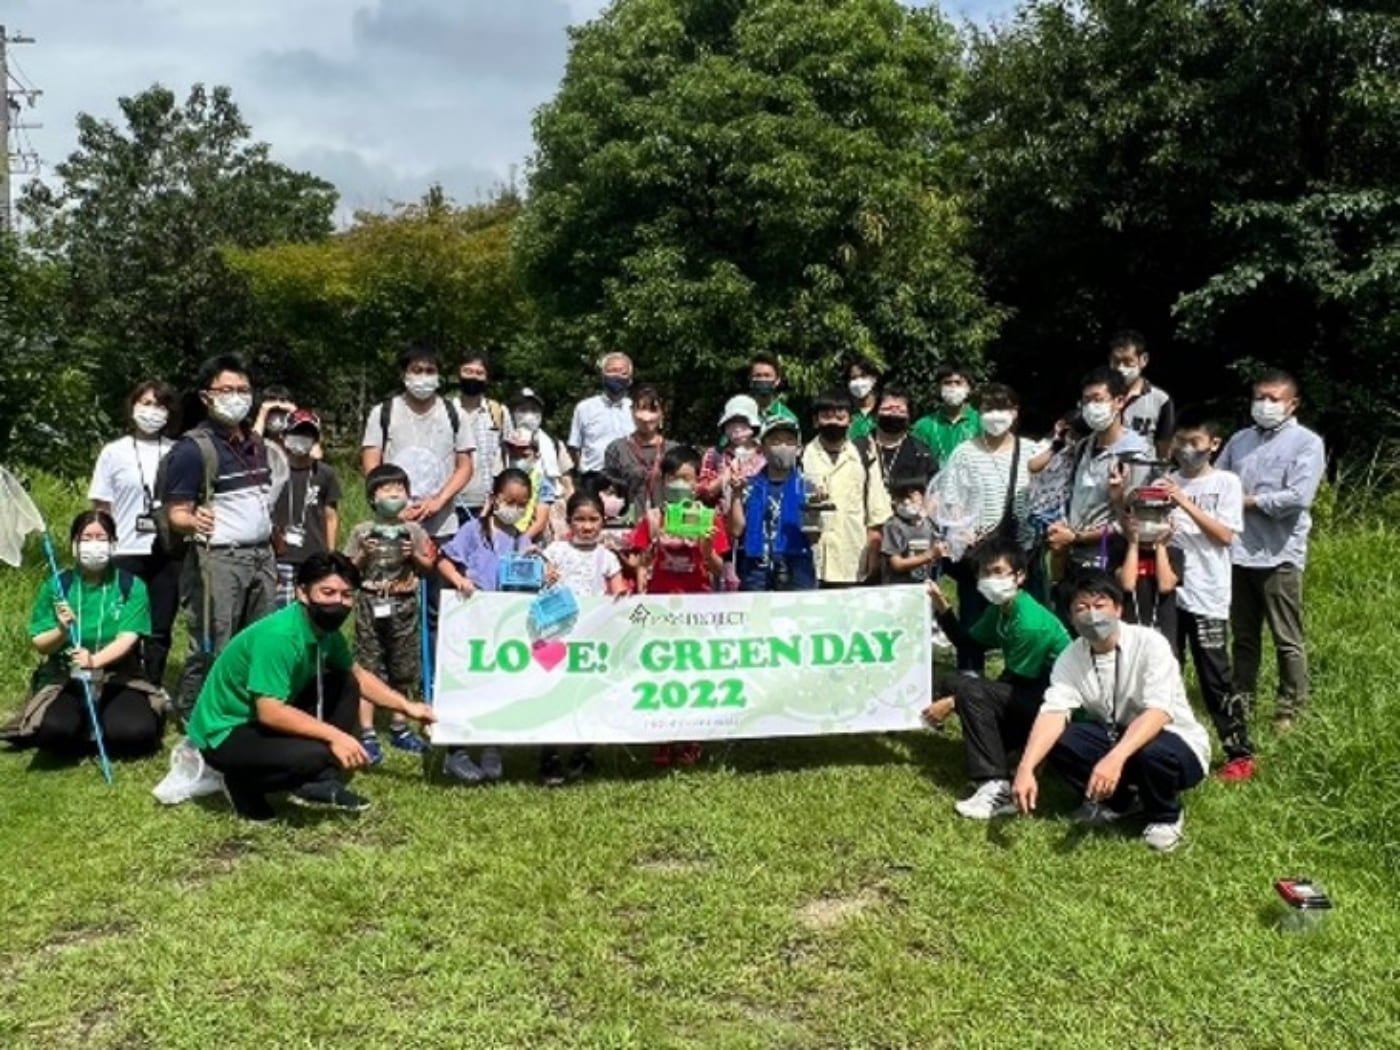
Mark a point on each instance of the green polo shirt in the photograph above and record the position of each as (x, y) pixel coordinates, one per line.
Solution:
(102, 615)
(276, 658)
(942, 435)
(1030, 636)
(777, 410)
(862, 425)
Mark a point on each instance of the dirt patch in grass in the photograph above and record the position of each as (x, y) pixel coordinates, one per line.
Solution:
(826, 913)
(84, 936)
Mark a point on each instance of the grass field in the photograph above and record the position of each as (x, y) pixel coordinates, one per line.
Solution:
(812, 894)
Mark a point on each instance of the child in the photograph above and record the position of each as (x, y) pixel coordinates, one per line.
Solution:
(619, 522)
(909, 539)
(1209, 514)
(772, 553)
(391, 554)
(305, 519)
(522, 452)
(471, 562)
(589, 569)
(673, 565)
(1149, 570)
(848, 551)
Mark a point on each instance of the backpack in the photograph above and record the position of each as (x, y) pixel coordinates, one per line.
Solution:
(173, 542)
(498, 418)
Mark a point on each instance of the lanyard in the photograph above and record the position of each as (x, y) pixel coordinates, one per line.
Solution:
(1104, 694)
(78, 612)
(320, 687)
(141, 470)
(290, 493)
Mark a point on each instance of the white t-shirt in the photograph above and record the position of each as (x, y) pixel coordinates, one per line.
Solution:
(585, 572)
(125, 477)
(1149, 677)
(1205, 577)
(598, 421)
(425, 447)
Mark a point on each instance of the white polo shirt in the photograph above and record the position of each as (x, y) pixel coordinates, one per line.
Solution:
(598, 422)
(125, 477)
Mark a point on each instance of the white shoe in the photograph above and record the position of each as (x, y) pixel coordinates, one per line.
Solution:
(941, 645)
(1164, 837)
(991, 799)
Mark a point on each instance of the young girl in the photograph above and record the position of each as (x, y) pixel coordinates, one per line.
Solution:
(674, 565)
(471, 562)
(589, 569)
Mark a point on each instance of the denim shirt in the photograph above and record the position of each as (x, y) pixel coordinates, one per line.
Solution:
(1281, 469)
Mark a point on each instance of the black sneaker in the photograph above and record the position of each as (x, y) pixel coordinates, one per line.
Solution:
(580, 763)
(328, 794)
(250, 805)
(552, 769)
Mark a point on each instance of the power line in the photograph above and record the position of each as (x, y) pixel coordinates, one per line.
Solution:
(22, 160)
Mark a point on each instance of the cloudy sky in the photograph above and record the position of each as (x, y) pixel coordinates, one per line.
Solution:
(381, 97)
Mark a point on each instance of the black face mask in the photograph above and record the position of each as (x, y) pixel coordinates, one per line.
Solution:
(328, 617)
(762, 387)
(472, 387)
(831, 432)
(892, 424)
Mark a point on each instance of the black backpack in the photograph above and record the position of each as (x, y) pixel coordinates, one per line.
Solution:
(173, 542)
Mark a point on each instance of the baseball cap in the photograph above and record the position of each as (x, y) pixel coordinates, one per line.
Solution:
(304, 417)
(526, 394)
(741, 406)
(779, 423)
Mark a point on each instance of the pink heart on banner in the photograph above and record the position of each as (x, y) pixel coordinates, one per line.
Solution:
(550, 655)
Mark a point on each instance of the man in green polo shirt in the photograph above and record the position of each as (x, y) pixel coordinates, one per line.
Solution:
(954, 421)
(997, 716)
(765, 384)
(278, 710)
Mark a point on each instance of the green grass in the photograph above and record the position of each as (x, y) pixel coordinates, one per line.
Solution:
(812, 894)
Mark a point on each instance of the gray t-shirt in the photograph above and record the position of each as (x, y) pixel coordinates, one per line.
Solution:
(1151, 414)
(899, 537)
(425, 447)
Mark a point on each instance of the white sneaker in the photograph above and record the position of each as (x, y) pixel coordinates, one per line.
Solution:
(991, 799)
(1164, 837)
(942, 646)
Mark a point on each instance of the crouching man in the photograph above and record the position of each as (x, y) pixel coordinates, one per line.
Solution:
(280, 706)
(1138, 746)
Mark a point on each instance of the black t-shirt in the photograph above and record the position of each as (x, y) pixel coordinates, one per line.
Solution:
(302, 505)
(1147, 605)
(911, 458)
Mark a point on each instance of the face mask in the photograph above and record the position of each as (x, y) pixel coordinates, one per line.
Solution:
(1095, 625)
(953, 394)
(150, 419)
(509, 515)
(328, 617)
(997, 589)
(782, 457)
(998, 422)
(860, 388)
(1191, 459)
(1099, 415)
(1130, 375)
(679, 492)
(909, 511)
(739, 433)
(230, 409)
(892, 424)
(276, 422)
(1268, 414)
(300, 444)
(390, 506)
(616, 386)
(762, 387)
(421, 386)
(831, 433)
(612, 505)
(528, 420)
(472, 387)
(94, 554)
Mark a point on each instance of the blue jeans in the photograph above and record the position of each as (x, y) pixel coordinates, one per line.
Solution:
(757, 575)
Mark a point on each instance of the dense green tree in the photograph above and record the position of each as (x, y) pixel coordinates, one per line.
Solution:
(716, 178)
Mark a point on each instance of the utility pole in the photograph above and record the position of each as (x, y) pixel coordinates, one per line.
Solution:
(17, 161)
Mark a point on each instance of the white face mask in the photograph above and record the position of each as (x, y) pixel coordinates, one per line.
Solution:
(1129, 374)
(421, 386)
(94, 554)
(953, 394)
(509, 515)
(1099, 415)
(299, 444)
(1268, 414)
(910, 511)
(150, 419)
(528, 420)
(230, 409)
(997, 422)
(860, 388)
(997, 589)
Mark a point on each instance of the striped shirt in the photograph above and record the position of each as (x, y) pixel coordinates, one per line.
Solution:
(974, 481)
(243, 494)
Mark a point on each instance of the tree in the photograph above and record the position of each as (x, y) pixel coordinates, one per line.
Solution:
(137, 222)
(718, 178)
(1238, 150)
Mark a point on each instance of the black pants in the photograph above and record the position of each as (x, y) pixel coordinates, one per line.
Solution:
(130, 726)
(1161, 771)
(1205, 639)
(996, 719)
(161, 575)
(971, 606)
(256, 760)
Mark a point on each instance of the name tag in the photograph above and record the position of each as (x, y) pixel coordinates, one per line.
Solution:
(145, 525)
(383, 610)
(294, 537)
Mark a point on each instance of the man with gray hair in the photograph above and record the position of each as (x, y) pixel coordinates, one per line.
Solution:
(603, 418)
